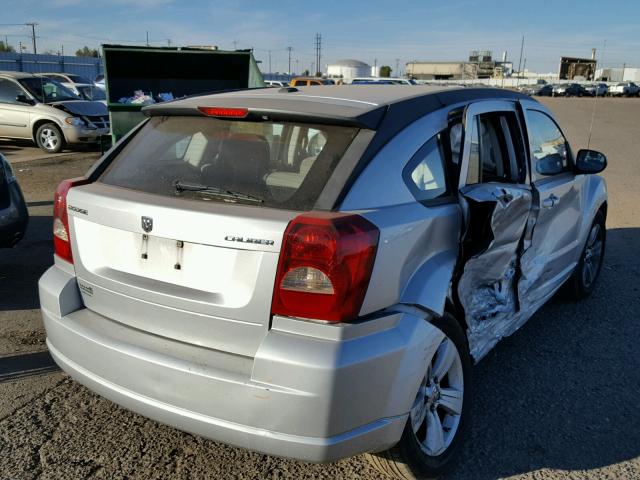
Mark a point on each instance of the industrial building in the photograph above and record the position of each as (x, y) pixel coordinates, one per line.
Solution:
(572, 68)
(348, 69)
(622, 74)
(480, 65)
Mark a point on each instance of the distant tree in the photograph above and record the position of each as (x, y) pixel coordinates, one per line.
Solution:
(385, 71)
(6, 47)
(86, 52)
(305, 73)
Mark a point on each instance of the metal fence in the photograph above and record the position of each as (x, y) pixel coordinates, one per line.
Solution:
(28, 62)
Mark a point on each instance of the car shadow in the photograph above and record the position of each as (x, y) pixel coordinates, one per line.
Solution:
(22, 265)
(563, 392)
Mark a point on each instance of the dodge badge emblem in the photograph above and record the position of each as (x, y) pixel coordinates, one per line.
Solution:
(147, 224)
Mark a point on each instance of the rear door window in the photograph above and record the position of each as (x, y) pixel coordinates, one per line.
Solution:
(497, 151)
(276, 164)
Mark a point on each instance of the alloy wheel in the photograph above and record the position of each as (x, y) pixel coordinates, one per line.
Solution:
(49, 138)
(435, 414)
(592, 255)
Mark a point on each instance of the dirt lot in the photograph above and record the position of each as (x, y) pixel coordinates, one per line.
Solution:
(19, 151)
(557, 400)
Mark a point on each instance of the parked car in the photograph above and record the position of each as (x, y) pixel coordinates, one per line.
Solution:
(394, 80)
(372, 82)
(99, 81)
(540, 90)
(43, 110)
(624, 89)
(311, 273)
(276, 83)
(597, 89)
(569, 90)
(69, 80)
(90, 92)
(304, 81)
(14, 215)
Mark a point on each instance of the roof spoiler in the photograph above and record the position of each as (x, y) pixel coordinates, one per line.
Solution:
(369, 119)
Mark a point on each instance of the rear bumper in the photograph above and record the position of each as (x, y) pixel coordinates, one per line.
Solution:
(379, 434)
(300, 397)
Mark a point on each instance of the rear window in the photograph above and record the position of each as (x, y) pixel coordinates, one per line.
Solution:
(274, 164)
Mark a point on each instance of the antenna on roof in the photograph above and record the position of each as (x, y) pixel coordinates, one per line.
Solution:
(595, 98)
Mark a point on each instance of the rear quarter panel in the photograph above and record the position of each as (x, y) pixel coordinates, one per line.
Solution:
(418, 246)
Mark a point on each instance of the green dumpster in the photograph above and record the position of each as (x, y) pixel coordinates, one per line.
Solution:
(139, 76)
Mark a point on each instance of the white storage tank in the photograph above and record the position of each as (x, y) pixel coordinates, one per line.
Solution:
(348, 70)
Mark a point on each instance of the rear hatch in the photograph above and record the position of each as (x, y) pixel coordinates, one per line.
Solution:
(180, 235)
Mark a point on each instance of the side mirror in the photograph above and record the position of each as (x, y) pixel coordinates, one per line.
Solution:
(22, 98)
(590, 161)
(549, 164)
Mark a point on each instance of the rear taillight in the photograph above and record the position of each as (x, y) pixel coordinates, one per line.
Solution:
(61, 236)
(325, 265)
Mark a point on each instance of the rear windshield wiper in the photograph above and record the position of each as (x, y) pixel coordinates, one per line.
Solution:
(182, 186)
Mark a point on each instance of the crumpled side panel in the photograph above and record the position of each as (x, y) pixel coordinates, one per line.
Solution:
(487, 287)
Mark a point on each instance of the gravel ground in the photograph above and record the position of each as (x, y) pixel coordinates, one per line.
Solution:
(557, 400)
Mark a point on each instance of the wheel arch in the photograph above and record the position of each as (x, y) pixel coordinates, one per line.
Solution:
(41, 121)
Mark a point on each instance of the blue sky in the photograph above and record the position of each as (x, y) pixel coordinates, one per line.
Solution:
(384, 30)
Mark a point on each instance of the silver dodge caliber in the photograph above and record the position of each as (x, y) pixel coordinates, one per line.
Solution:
(312, 272)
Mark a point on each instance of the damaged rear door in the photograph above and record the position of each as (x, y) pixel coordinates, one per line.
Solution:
(496, 200)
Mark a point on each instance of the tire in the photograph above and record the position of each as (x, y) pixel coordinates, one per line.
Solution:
(49, 138)
(581, 284)
(408, 460)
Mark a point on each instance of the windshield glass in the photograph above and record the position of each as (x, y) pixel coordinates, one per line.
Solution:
(46, 90)
(90, 92)
(77, 78)
(274, 164)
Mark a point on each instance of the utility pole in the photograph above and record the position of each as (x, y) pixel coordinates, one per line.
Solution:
(375, 68)
(33, 35)
(269, 61)
(289, 50)
(520, 61)
(624, 67)
(318, 53)
(168, 42)
(147, 38)
(397, 68)
(235, 47)
(297, 65)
